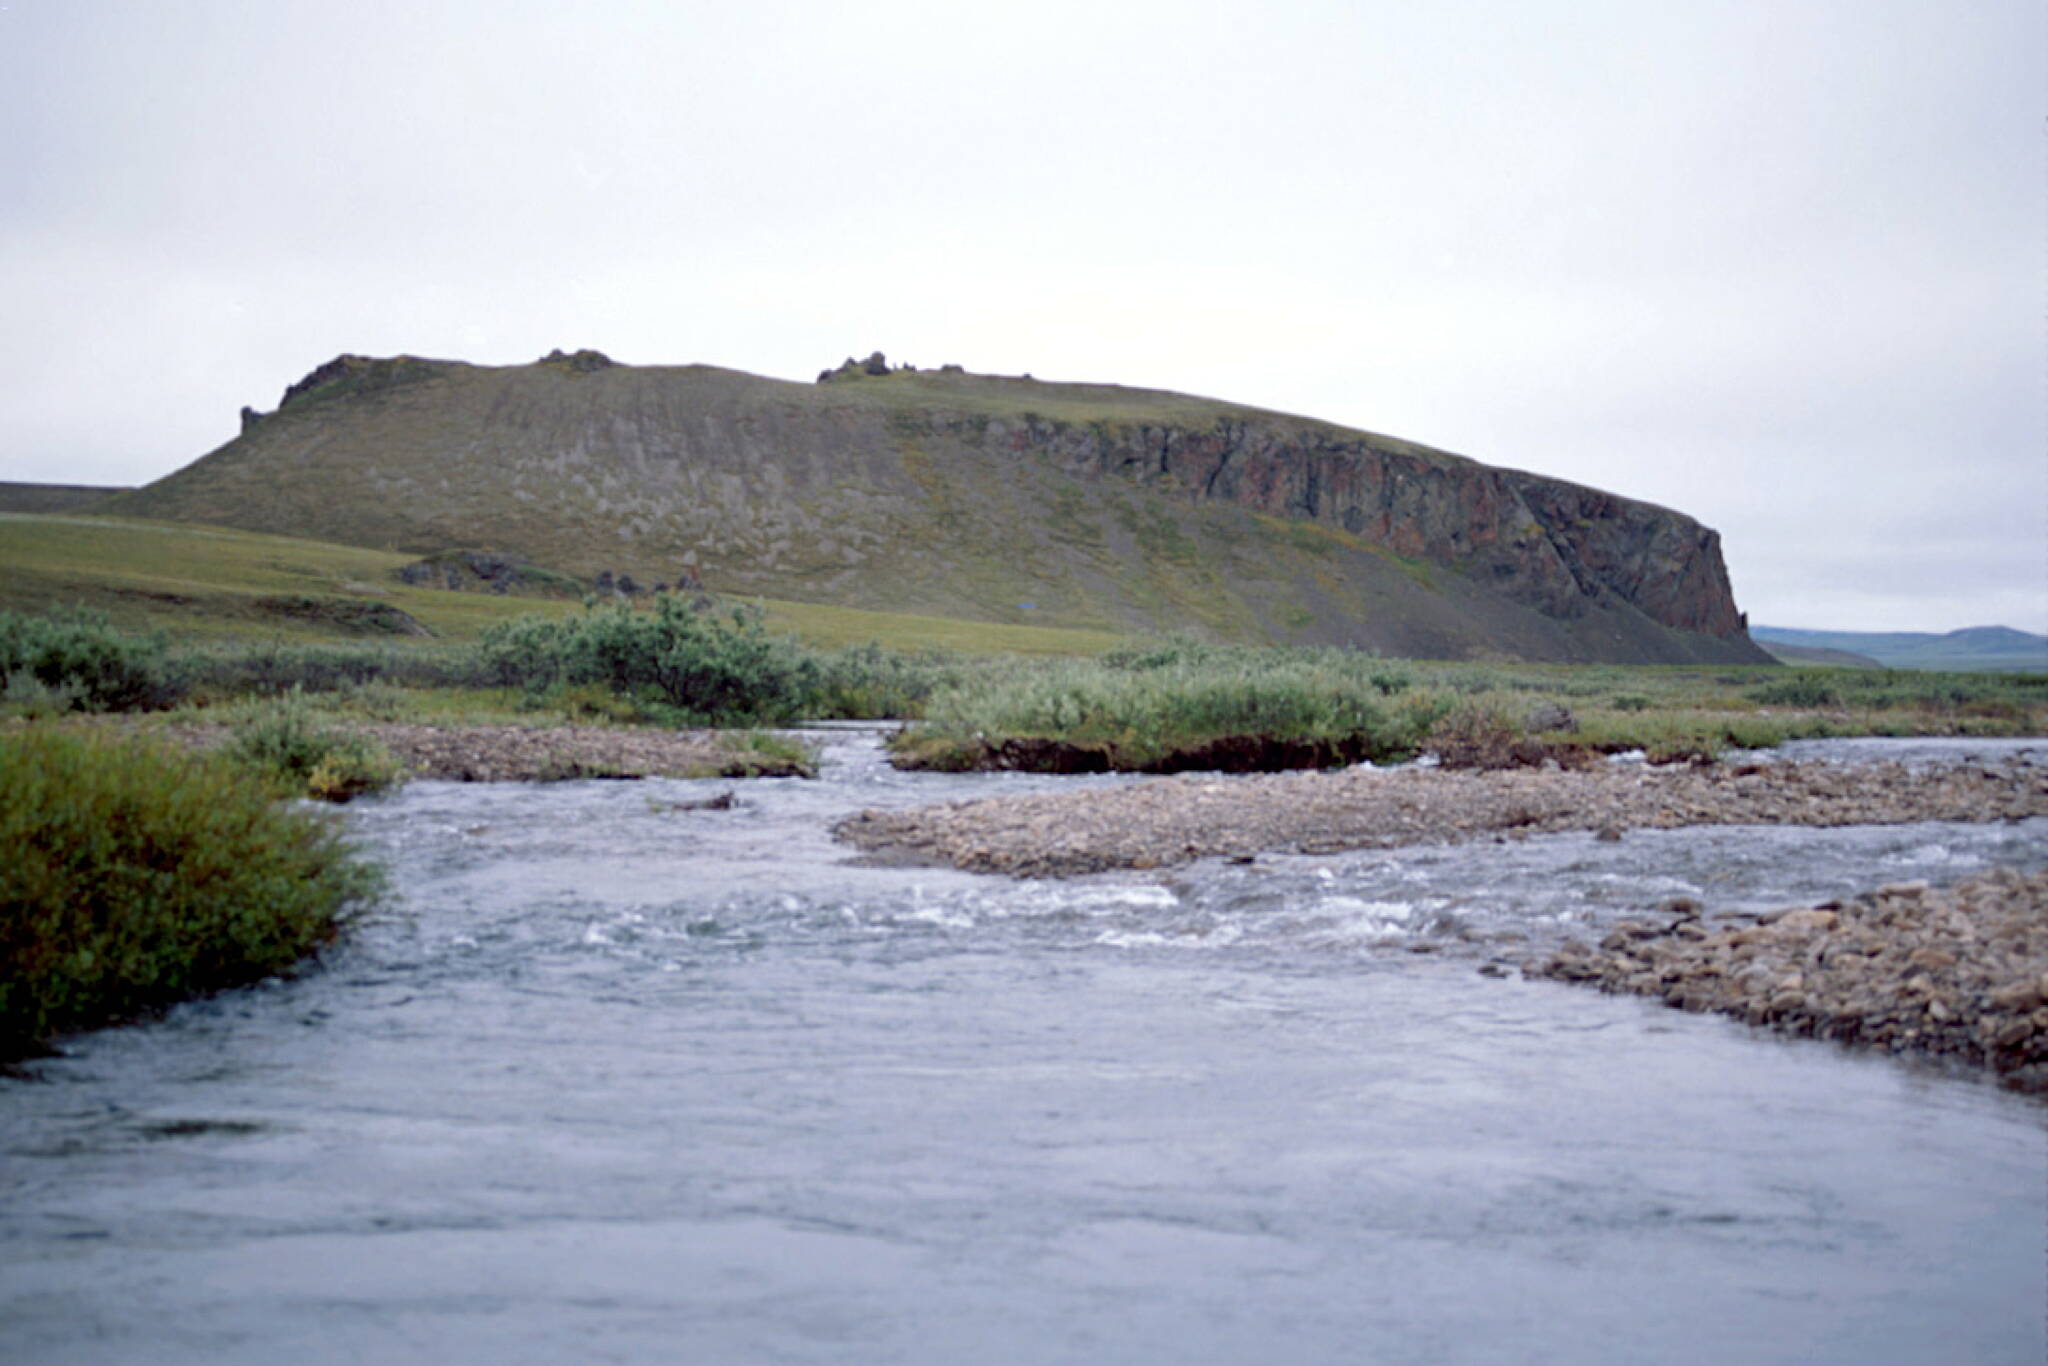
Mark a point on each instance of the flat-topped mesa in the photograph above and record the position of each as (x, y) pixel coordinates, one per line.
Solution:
(949, 493)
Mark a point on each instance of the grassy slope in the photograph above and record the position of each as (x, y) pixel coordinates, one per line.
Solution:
(204, 582)
(844, 494)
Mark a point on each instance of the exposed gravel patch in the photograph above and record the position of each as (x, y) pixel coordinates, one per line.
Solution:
(1177, 820)
(505, 753)
(1959, 972)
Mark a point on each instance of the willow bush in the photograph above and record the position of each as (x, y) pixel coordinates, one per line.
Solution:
(133, 876)
(1141, 711)
(717, 667)
(287, 747)
(78, 661)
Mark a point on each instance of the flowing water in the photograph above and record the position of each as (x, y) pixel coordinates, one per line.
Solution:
(616, 1080)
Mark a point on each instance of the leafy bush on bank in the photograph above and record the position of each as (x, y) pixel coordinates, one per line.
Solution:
(708, 667)
(134, 876)
(274, 668)
(287, 747)
(867, 682)
(1142, 717)
(78, 662)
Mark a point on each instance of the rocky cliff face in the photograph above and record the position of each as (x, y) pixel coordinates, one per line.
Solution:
(1551, 545)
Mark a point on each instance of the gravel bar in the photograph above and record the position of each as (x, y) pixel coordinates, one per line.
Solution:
(1960, 972)
(1177, 820)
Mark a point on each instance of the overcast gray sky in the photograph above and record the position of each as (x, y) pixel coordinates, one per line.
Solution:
(1783, 266)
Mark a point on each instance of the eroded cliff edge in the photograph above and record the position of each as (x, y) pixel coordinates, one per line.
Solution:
(1546, 543)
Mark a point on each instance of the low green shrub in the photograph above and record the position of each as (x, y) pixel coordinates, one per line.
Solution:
(133, 876)
(717, 667)
(273, 668)
(26, 696)
(79, 657)
(287, 747)
(867, 682)
(1164, 653)
(1799, 690)
(1142, 718)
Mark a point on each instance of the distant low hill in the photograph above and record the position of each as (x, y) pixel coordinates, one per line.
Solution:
(51, 497)
(1973, 649)
(1813, 654)
(992, 498)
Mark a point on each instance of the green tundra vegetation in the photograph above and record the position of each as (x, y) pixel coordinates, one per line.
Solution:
(280, 636)
(136, 875)
(1154, 705)
(1184, 704)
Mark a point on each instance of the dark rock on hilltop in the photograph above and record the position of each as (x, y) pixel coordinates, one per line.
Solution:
(875, 364)
(346, 375)
(584, 362)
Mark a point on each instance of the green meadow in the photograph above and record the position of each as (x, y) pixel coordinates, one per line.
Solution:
(239, 614)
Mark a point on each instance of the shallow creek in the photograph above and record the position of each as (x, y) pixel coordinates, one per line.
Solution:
(617, 1080)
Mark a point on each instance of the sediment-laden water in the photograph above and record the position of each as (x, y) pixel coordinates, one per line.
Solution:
(616, 1080)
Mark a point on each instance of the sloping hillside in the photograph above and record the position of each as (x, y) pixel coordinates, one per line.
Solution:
(998, 499)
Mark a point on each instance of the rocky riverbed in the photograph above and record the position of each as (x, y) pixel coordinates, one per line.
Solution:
(1960, 971)
(1177, 820)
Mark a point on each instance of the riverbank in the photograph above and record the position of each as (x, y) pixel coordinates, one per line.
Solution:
(1957, 972)
(1178, 820)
